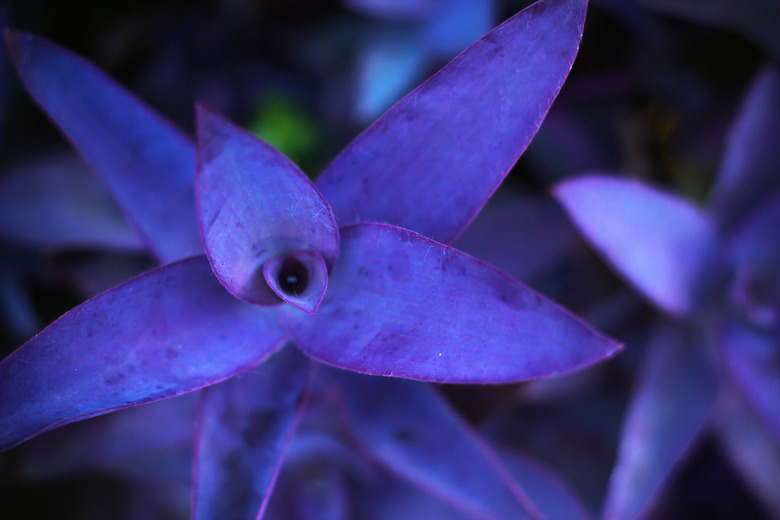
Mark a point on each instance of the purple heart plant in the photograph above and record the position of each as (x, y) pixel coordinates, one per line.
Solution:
(713, 273)
(352, 271)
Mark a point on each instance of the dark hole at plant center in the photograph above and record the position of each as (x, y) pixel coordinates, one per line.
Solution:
(293, 277)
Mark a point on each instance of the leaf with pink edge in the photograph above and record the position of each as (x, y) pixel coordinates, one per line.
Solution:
(402, 305)
(146, 163)
(254, 205)
(492, 99)
(245, 426)
(169, 331)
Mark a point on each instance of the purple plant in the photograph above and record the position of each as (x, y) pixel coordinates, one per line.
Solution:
(713, 272)
(354, 270)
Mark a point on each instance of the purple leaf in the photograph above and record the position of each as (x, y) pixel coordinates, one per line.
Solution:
(164, 333)
(148, 165)
(752, 361)
(245, 426)
(748, 171)
(392, 499)
(507, 234)
(676, 390)
(402, 305)
(254, 204)
(492, 98)
(549, 494)
(411, 430)
(56, 203)
(753, 451)
(661, 244)
(123, 442)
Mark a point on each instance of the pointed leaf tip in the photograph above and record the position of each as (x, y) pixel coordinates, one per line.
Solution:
(661, 243)
(147, 163)
(412, 167)
(254, 205)
(399, 304)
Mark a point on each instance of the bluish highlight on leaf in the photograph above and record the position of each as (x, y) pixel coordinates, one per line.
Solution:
(748, 171)
(410, 10)
(254, 204)
(677, 388)
(492, 98)
(148, 165)
(752, 360)
(413, 432)
(164, 333)
(402, 305)
(245, 425)
(57, 203)
(662, 244)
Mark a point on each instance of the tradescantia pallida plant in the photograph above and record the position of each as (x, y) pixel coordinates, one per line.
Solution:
(352, 270)
(713, 272)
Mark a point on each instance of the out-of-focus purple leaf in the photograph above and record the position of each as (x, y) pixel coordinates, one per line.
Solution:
(520, 234)
(93, 274)
(753, 451)
(57, 203)
(661, 244)
(388, 498)
(164, 333)
(402, 305)
(245, 425)
(492, 98)
(148, 165)
(411, 430)
(748, 171)
(17, 312)
(677, 388)
(254, 204)
(757, 20)
(548, 493)
(312, 484)
(122, 442)
(752, 360)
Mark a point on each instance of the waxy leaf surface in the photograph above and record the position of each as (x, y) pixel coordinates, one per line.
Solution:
(254, 204)
(245, 425)
(401, 305)
(677, 388)
(147, 164)
(411, 430)
(661, 244)
(471, 122)
(166, 332)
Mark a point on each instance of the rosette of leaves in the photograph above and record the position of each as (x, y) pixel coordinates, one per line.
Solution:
(353, 271)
